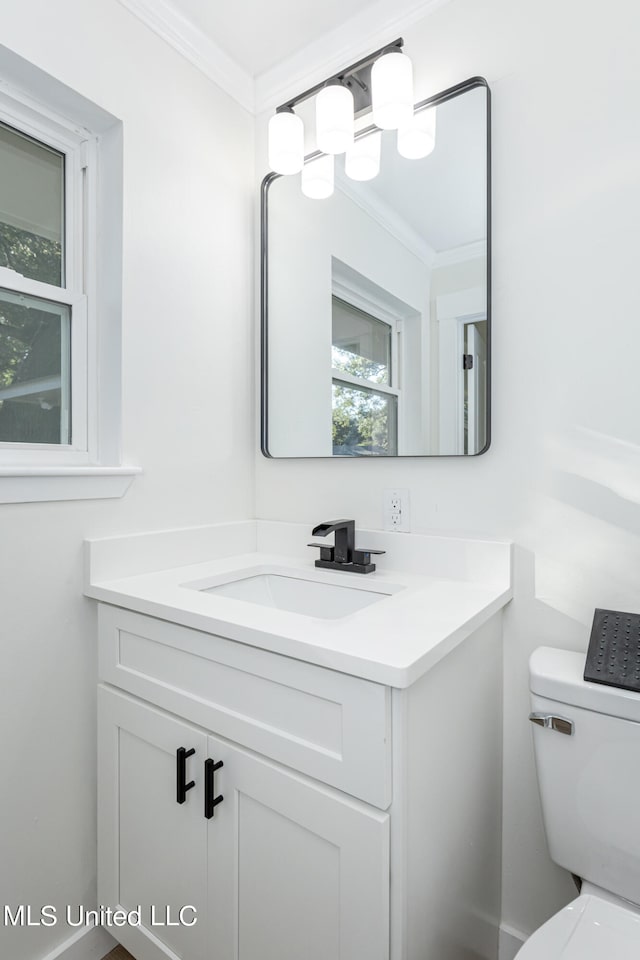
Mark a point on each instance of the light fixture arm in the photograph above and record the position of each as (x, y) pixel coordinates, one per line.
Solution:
(356, 77)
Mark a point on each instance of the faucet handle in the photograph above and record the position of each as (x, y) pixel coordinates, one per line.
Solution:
(326, 553)
(363, 555)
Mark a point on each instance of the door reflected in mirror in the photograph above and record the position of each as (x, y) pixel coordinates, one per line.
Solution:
(375, 306)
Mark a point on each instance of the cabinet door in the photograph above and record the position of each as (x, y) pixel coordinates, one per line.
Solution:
(152, 850)
(296, 870)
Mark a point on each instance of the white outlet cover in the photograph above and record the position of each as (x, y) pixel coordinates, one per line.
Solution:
(396, 509)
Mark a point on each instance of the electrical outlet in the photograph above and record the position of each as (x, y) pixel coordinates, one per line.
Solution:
(395, 507)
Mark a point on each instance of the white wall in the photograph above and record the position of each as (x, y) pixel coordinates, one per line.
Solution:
(188, 411)
(563, 475)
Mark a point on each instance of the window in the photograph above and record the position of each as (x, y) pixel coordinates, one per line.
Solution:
(59, 331)
(364, 384)
(43, 310)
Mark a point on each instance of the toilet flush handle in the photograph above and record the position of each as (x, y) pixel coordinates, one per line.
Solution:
(559, 724)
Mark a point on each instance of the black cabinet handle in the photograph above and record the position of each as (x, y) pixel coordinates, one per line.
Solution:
(181, 774)
(210, 801)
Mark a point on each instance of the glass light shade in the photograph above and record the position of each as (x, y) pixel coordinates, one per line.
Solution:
(392, 91)
(286, 143)
(418, 138)
(362, 161)
(334, 119)
(317, 178)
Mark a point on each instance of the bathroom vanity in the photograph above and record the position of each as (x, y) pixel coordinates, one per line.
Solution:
(323, 786)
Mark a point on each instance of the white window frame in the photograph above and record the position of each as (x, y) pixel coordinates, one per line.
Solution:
(77, 148)
(89, 466)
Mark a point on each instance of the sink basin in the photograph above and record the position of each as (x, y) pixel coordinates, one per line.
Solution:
(297, 594)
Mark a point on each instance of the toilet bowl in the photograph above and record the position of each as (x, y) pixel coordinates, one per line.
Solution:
(587, 748)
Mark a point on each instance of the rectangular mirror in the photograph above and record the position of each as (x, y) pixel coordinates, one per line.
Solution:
(376, 325)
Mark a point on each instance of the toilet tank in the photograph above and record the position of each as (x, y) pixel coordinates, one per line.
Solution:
(588, 771)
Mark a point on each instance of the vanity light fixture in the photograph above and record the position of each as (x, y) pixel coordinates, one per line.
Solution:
(392, 91)
(334, 118)
(286, 142)
(380, 85)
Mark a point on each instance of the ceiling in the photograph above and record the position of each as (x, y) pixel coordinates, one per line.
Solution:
(259, 35)
(261, 53)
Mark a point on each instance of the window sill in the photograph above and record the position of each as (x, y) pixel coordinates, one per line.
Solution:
(37, 484)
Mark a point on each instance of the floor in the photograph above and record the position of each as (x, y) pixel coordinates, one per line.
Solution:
(119, 954)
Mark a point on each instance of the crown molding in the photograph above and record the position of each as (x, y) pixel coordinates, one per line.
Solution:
(353, 39)
(167, 22)
(468, 251)
(383, 214)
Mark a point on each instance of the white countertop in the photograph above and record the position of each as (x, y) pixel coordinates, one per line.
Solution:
(394, 641)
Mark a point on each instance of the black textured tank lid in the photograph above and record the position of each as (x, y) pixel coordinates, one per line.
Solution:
(613, 657)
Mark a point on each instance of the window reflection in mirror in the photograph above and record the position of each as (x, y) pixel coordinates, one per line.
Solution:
(364, 420)
(376, 329)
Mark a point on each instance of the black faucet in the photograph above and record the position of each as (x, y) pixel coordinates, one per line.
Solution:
(343, 554)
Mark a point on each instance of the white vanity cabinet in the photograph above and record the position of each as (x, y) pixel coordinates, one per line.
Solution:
(361, 752)
(285, 866)
(359, 821)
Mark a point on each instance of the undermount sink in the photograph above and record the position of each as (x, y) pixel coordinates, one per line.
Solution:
(297, 594)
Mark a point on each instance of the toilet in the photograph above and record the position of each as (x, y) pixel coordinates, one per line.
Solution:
(587, 750)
